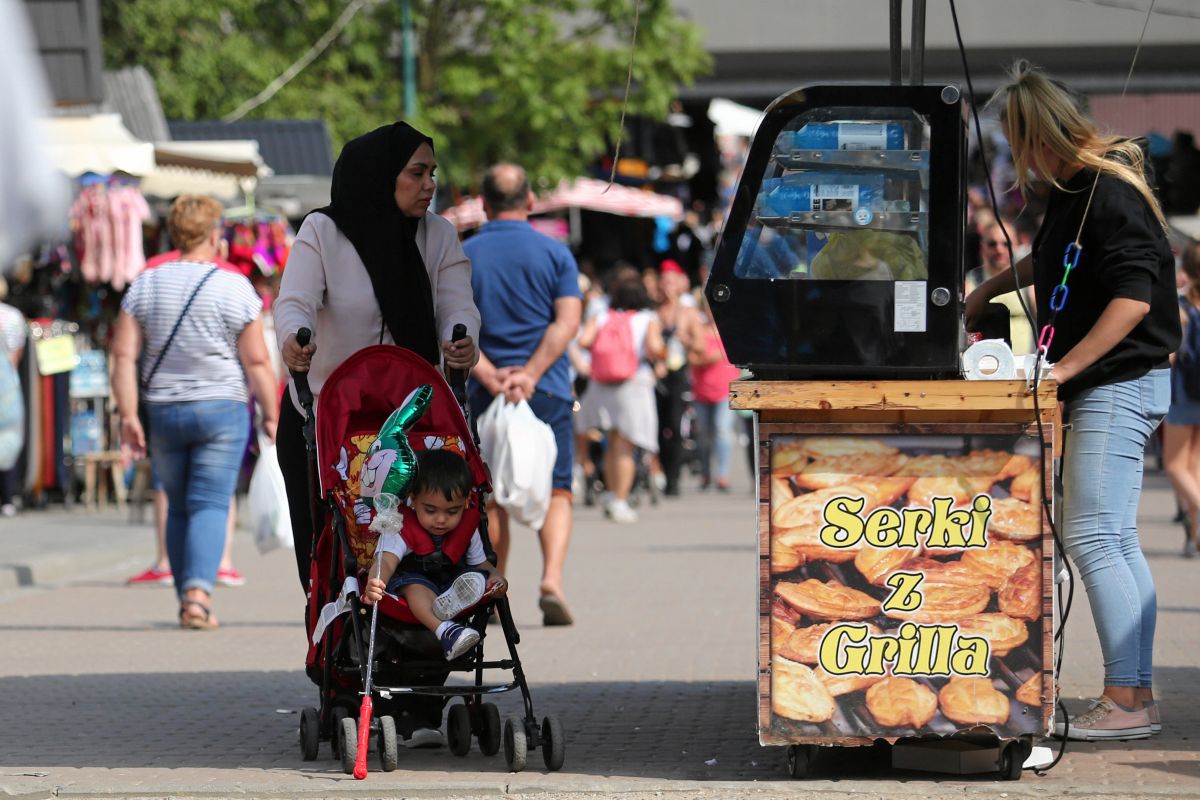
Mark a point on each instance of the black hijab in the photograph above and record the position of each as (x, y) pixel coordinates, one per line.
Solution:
(364, 209)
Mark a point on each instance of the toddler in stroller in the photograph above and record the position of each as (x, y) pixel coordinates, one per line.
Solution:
(400, 666)
(435, 586)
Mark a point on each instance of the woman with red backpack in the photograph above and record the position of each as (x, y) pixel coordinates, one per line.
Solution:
(624, 340)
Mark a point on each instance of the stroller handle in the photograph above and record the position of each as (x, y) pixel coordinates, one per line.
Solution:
(303, 392)
(457, 378)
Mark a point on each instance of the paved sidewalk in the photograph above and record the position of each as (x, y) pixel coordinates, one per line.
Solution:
(103, 696)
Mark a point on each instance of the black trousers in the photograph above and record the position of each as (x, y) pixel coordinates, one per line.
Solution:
(293, 461)
(669, 395)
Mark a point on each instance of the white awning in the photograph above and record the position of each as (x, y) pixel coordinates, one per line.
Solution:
(99, 143)
(733, 119)
(226, 169)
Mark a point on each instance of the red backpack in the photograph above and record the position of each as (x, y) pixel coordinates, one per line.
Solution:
(614, 358)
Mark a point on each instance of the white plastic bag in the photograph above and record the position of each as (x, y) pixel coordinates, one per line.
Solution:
(267, 501)
(520, 450)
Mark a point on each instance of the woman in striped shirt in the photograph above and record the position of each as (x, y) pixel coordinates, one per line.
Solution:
(198, 333)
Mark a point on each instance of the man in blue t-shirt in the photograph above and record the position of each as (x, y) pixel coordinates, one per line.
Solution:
(527, 290)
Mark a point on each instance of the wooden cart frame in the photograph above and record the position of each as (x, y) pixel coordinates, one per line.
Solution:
(894, 408)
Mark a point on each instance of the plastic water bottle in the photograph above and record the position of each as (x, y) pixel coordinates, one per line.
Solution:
(849, 136)
(820, 191)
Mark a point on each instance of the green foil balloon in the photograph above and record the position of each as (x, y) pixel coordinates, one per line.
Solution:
(391, 463)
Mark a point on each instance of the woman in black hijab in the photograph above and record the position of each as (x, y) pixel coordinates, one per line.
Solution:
(375, 266)
(372, 267)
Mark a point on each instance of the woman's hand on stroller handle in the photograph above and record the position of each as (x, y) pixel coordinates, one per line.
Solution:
(298, 351)
(459, 353)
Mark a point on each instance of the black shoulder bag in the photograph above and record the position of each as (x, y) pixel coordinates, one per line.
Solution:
(144, 385)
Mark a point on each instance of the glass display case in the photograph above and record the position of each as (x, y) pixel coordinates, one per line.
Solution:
(842, 252)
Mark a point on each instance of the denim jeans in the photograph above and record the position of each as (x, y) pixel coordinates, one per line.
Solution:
(1102, 481)
(715, 421)
(197, 449)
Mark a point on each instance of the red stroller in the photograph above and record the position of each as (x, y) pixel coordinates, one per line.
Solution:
(408, 665)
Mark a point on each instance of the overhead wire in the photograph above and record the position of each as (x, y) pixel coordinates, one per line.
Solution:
(637, 9)
(318, 47)
(1064, 607)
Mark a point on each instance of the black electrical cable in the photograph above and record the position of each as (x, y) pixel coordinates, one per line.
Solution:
(1064, 609)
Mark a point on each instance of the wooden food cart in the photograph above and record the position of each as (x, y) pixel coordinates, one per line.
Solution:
(905, 568)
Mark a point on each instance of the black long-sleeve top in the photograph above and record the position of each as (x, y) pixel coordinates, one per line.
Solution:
(1124, 254)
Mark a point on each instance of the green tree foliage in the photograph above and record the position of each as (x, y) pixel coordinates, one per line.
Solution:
(537, 81)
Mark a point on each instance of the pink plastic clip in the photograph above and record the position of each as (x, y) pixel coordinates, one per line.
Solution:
(1045, 339)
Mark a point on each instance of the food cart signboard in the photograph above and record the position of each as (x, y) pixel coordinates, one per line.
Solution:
(905, 582)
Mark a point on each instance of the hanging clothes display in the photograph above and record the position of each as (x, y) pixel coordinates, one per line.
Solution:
(47, 373)
(259, 241)
(107, 218)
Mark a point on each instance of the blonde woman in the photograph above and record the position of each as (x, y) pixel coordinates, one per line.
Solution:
(190, 336)
(1113, 338)
(1181, 430)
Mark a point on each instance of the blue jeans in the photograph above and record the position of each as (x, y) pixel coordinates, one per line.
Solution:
(715, 421)
(197, 449)
(1102, 481)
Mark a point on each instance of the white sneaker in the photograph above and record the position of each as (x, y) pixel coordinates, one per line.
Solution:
(466, 591)
(620, 512)
(8, 510)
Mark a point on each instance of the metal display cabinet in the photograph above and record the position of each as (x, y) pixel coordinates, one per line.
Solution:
(905, 568)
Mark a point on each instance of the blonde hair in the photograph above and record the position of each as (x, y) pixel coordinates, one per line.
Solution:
(1039, 115)
(193, 217)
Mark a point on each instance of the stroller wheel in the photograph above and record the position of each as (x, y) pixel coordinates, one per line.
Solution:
(491, 733)
(310, 734)
(458, 729)
(388, 754)
(349, 745)
(335, 740)
(515, 744)
(553, 744)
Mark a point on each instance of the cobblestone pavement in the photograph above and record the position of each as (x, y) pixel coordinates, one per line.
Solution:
(102, 695)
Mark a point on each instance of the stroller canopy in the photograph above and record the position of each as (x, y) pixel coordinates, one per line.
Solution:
(359, 395)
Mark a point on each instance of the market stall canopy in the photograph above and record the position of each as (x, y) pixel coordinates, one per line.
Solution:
(587, 194)
(98, 143)
(733, 119)
(590, 194)
(224, 169)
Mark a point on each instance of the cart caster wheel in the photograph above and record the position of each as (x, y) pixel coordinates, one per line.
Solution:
(515, 744)
(553, 743)
(492, 732)
(458, 729)
(1012, 759)
(310, 734)
(801, 758)
(387, 744)
(335, 739)
(349, 744)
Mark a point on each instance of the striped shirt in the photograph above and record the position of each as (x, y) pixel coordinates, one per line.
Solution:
(12, 328)
(202, 362)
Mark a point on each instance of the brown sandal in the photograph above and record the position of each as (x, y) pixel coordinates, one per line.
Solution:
(203, 621)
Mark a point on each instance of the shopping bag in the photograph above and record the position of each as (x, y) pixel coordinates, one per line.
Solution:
(267, 501)
(520, 451)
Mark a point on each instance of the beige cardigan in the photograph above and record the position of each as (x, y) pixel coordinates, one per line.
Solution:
(326, 288)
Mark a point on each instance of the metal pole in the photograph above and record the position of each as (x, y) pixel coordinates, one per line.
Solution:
(916, 67)
(410, 60)
(895, 15)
